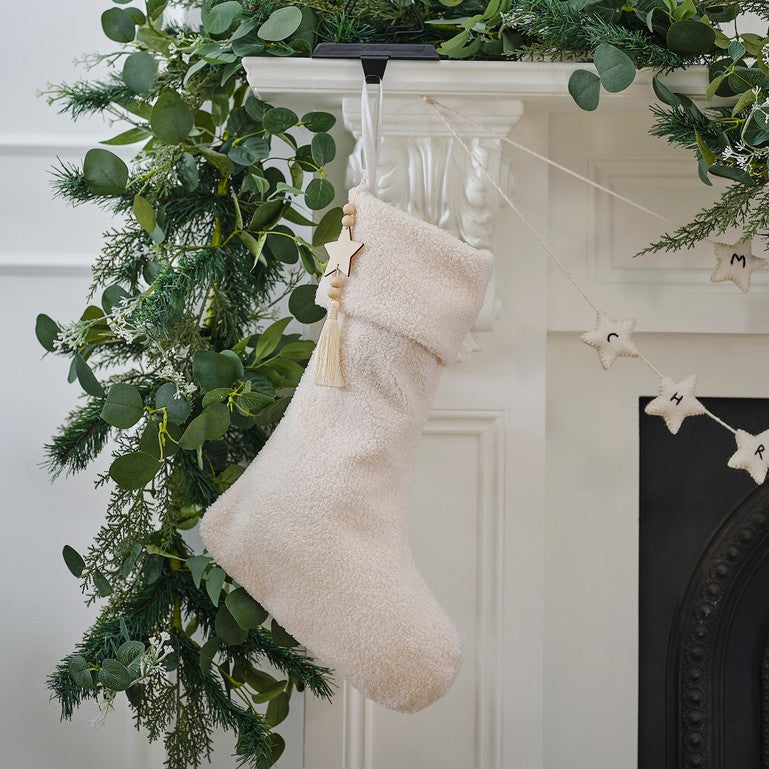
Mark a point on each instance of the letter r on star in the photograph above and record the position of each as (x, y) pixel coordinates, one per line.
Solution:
(752, 454)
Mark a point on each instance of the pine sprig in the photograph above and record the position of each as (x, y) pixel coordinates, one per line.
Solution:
(680, 126)
(201, 697)
(79, 440)
(557, 29)
(85, 97)
(741, 206)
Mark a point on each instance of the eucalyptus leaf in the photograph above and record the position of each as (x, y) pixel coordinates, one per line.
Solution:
(301, 304)
(227, 628)
(664, 94)
(266, 214)
(615, 68)
(272, 414)
(217, 19)
(86, 377)
(318, 122)
(254, 245)
(585, 89)
(101, 583)
(328, 228)
(80, 671)
(134, 470)
(46, 331)
(208, 652)
(171, 120)
(139, 71)
(214, 583)
(279, 119)
(235, 358)
(248, 612)
(177, 406)
(730, 172)
(131, 136)
(104, 172)
(144, 213)
(281, 636)
(123, 407)
(249, 151)
(118, 25)
(129, 651)
(277, 709)
(319, 194)
(112, 296)
(197, 565)
(73, 560)
(217, 421)
(217, 395)
(282, 246)
(220, 161)
(212, 369)
(187, 172)
(690, 37)
(269, 692)
(323, 149)
(114, 675)
(195, 434)
(281, 24)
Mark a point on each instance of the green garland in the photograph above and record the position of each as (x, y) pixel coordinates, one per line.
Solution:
(186, 366)
(728, 140)
(184, 363)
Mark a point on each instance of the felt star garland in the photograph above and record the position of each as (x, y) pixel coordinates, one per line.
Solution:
(612, 339)
(675, 402)
(737, 263)
(752, 454)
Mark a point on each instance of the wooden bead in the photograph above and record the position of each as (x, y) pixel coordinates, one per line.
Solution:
(348, 220)
(334, 293)
(336, 281)
(348, 208)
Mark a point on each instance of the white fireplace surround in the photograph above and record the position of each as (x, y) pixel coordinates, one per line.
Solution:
(555, 678)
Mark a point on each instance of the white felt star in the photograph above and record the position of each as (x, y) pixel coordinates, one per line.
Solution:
(752, 454)
(341, 252)
(675, 402)
(612, 339)
(736, 263)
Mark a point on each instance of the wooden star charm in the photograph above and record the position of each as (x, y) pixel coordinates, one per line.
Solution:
(340, 253)
(611, 338)
(736, 263)
(752, 454)
(675, 402)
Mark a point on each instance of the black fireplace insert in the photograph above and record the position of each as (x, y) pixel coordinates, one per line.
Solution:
(703, 595)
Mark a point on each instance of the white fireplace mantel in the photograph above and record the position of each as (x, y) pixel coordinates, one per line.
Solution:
(533, 82)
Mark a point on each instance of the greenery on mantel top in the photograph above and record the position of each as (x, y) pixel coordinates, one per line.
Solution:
(183, 352)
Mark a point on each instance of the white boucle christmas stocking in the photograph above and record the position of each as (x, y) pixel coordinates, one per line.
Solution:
(316, 528)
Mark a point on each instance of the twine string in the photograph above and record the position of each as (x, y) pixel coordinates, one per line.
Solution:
(565, 169)
(561, 266)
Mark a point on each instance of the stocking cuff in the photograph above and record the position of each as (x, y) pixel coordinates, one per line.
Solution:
(412, 278)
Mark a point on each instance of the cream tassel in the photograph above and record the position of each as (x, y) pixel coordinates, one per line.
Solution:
(328, 357)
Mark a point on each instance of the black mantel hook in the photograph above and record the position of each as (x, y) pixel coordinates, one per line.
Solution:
(374, 56)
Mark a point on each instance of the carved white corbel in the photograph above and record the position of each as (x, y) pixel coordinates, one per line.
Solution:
(424, 170)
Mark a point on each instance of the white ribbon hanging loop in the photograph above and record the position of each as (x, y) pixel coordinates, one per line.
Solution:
(371, 134)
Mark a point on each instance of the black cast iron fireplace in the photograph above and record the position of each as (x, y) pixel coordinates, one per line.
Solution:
(704, 596)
